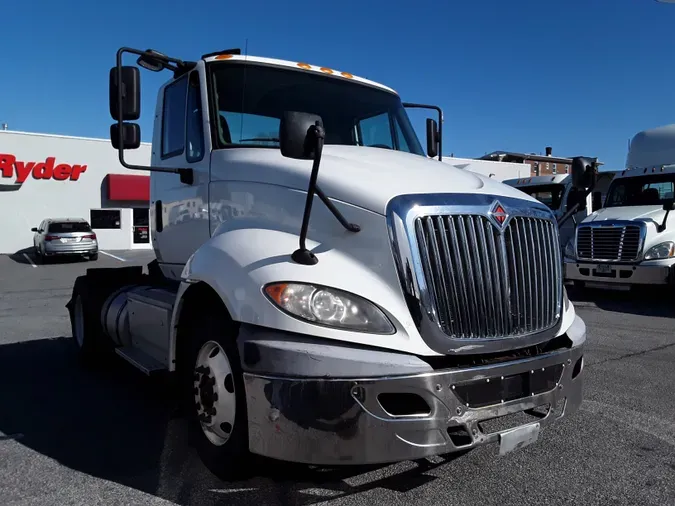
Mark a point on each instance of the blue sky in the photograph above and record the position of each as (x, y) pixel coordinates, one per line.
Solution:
(582, 76)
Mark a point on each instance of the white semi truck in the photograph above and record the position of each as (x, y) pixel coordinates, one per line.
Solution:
(402, 313)
(631, 241)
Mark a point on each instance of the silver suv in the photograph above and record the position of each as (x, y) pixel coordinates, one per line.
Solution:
(64, 236)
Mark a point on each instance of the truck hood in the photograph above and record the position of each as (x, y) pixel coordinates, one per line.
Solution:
(649, 214)
(362, 176)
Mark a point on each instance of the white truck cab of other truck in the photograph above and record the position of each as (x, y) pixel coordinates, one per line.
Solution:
(390, 318)
(553, 191)
(631, 240)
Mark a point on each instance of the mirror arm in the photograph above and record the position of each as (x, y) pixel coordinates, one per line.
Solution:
(186, 175)
(570, 212)
(351, 227)
(302, 255)
(660, 228)
(440, 122)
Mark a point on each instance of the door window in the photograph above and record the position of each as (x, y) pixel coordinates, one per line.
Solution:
(173, 119)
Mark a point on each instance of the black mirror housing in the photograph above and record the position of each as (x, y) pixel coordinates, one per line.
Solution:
(34, 229)
(669, 205)
(131, 135)
(131, 93)
(295, 140)
(432, 138)
(583, 172)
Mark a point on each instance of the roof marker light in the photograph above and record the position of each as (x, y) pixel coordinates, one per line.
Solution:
(347, 75)
(304, 65)
(224, 56)
(326, 70)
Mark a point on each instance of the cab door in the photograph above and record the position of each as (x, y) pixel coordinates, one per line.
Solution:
(178, 211)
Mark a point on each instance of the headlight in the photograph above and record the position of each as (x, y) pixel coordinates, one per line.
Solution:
(569, 249)
(663, 250)
(329, 306)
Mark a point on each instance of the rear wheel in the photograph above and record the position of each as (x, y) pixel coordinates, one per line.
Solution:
(213, 395)
(93, 257)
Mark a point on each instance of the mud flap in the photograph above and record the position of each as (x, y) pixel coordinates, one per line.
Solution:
(520, 437)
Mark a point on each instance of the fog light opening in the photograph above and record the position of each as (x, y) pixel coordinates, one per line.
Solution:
(459, 436)
(578, 367)
(404, 404)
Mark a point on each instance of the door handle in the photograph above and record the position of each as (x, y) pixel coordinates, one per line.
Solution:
(159, 222)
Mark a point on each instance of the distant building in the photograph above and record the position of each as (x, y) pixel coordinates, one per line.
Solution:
(540, 165)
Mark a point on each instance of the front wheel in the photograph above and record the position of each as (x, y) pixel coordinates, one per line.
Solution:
(214, 396)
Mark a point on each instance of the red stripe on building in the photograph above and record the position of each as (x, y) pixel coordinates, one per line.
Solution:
(127, 187)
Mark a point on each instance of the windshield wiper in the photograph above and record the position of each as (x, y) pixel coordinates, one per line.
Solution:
(271, 139)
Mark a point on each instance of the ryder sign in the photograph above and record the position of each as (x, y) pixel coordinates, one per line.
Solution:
(19, 170)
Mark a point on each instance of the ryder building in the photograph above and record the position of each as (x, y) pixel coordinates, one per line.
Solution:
(53, 176)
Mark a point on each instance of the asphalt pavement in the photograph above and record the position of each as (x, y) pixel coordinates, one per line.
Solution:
(70, 436)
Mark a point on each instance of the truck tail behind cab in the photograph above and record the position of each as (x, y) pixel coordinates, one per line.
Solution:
(324, 292)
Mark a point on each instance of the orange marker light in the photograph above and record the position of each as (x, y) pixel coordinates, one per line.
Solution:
(304, 66)
(276, 291)
(346, 74)
(326, 70)
(224, 57)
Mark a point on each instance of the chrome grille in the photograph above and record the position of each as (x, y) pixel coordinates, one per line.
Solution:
(618, 243)
(483, 283)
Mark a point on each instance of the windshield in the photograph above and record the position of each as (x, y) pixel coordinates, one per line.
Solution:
(250, 100)
(64, 228)
(650, 190)
(549, 194)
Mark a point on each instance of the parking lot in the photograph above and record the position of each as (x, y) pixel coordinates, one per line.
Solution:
(68, 436)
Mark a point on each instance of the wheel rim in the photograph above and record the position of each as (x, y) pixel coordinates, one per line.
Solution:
(214, 393)
(79, 322)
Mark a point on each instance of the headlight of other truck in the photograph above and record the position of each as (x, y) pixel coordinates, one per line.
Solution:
(569, 249)
(663, 250)
(329, 307)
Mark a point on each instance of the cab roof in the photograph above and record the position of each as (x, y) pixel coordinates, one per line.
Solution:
(337, 74)
(646, 171)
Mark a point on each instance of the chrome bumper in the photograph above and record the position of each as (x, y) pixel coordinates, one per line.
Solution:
(325, 421)
(71, 249)
(657, 272)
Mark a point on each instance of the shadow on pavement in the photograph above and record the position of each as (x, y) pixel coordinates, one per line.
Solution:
(118, 425)
(20, 258)
(647, 301)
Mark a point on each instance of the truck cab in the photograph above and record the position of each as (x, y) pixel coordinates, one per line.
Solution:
(323, 291)
(631, 240)
(553, 191)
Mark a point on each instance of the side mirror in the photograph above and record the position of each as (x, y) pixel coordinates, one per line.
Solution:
(669, 205)
(131, 93)
(295, 135)
(583, 172)
(34, 229)
(131, 135)
(432, 138)
(576, 196)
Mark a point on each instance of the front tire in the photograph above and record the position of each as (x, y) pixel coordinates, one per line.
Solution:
(213, 395)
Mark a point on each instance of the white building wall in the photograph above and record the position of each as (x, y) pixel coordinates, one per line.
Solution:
(37, 199)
